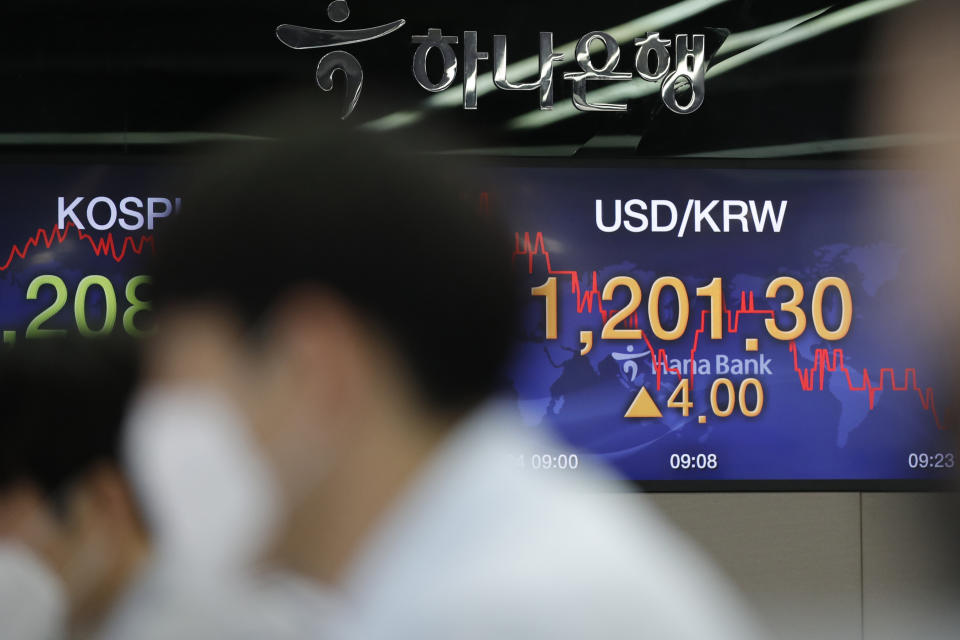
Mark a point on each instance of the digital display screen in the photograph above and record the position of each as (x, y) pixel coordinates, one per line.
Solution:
(711, 325)
(679, 325)
(73, 248)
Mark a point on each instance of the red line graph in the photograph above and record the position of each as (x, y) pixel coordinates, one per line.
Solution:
(810, 379)
(105, 245)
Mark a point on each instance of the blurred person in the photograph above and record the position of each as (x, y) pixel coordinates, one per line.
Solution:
(33, 601)
(71, 538)
(337, 306)
(77, 559)
(916, 100)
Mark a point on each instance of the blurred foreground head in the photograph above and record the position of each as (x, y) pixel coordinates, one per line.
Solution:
(62, 492)
(348, 300)
(918, 101)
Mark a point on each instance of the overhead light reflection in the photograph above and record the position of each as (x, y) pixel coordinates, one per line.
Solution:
(819, 147)
(804, 30)
(529, 67)
(638, 87)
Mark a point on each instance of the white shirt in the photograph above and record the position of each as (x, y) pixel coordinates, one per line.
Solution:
(169, 601)
(480, 548)
(33, 604)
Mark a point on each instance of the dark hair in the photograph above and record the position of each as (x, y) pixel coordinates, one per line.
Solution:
(63, 407)
(398, 236)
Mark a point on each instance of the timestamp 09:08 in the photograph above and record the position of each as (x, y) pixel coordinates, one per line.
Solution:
(694, 461)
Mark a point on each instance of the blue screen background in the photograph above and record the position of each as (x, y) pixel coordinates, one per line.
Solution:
(834, 226)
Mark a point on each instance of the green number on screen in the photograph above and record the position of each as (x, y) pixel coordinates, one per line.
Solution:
(110, 304)
(33, 329)
(136, 306)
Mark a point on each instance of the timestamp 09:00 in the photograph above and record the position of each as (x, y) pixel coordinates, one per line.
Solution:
(87, 327)
(559, 462)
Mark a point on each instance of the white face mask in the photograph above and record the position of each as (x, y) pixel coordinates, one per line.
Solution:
(33, 602)
(206, 491)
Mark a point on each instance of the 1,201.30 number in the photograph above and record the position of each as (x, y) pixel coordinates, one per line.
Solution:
(713, 292)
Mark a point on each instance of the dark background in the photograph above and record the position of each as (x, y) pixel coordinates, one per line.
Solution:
(117, 66)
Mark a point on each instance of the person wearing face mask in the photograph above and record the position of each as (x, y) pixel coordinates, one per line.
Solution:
(339, 313)
(71, 537)
(77, 556)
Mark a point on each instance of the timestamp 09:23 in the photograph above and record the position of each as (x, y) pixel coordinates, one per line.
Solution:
(933, 460)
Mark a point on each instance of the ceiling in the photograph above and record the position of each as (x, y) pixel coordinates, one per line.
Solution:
(127, 76)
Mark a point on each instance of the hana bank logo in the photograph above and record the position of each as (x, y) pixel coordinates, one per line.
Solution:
(681, 75)
(305, 38)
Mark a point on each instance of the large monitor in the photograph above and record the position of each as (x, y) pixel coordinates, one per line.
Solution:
(724, 328)
(74, 240)
(692, 328)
